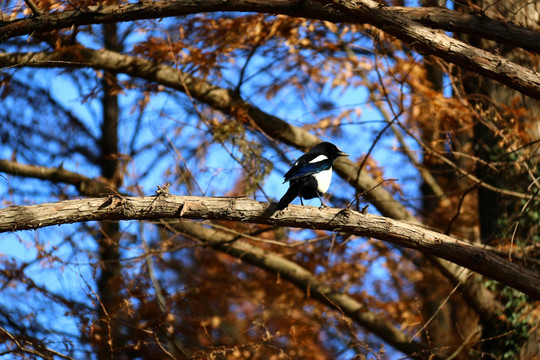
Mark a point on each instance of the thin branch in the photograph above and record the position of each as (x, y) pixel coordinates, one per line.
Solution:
(465, 342)
(33, 7)
(85, 185)
(439, 308)
(467, 174)
(244, 68)
(525, 206)
(172, 344)
(32, 349)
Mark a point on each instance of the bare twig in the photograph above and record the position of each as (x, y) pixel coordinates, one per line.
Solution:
(465, 342)
(29, 348)
(441, 305)
(465, 173)
(525, 206)
(367, 191)
(33, 7)
(172, 344)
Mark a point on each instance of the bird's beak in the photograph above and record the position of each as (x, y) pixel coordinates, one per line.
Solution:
(341, 153)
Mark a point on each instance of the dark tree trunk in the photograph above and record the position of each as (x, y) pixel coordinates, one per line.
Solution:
(502, 111)
(109, 282)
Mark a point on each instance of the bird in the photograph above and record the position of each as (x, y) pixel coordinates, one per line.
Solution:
(310, 175)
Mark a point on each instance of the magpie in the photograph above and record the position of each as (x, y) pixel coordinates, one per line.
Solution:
(310, 175)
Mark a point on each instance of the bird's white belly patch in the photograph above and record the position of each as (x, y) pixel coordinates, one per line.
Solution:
(323, 180)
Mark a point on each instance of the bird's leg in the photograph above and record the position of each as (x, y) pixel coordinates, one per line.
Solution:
(301, 201)
(323, 205)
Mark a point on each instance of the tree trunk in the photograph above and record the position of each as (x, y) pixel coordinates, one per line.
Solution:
(109, 282)
(507, 120)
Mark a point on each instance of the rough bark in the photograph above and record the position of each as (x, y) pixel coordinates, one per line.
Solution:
(428, 42)
(434, 17)
(385, 18)
(245, 210)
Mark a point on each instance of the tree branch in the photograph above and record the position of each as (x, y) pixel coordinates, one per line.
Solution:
(86, 186)
(229, 103)
(245, 210)
(391, 20)
(306, 282)
(33, 7)
(478, 24)
(437, 18)
(426, 41)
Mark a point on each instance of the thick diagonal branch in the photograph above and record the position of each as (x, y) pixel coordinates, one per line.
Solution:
(427, 41)
(218, 98)
(306, 282)
(433, 17)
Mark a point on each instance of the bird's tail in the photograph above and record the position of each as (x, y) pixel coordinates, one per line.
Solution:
(294, 190)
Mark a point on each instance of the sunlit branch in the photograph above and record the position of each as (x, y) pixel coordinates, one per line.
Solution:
(85, 185)
(426, 41)
(393, 22)
(245, 210)
(437, 18)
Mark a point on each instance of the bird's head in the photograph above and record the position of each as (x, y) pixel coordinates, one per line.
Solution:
(330, 150)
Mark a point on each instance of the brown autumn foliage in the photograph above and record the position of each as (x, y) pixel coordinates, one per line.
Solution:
(219, 99)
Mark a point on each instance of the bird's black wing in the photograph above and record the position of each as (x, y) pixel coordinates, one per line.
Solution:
(308, 164)
(303, 167)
